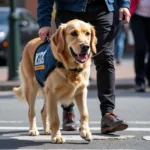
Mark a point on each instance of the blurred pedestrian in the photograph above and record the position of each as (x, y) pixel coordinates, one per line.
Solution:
(100, 14)
(140, 25)
(120, 37)
(119, 45)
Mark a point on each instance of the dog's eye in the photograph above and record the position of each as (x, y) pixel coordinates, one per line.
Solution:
(87, 33)
(74, 33)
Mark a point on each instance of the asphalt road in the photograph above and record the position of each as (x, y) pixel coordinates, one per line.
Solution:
(131, 106)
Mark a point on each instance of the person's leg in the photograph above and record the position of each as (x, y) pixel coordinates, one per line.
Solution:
(105, 67)
(119, 45)
(138, 29)
(148, 41)
(148, 67)
(104, 25)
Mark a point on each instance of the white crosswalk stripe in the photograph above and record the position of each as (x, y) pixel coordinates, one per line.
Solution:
(91, 122)
(91, 128)
(147, 138)
(68, 137)
(46, 138)
(69, 149)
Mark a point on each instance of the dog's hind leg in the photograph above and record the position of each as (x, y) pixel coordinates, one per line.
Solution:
(30, 91)
(45, 118)
(82, 106)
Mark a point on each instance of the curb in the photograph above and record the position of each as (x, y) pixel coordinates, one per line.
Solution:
(123, 86)
(8, 85)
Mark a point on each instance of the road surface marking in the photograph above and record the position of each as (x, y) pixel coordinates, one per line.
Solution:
(67, 137)
(128, 129)
(91, 122)
(68, 149)
(147, 138)
(91, 128)
(12, 121)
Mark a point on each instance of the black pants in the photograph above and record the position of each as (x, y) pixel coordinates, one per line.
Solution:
(98, 16)
(141, 32)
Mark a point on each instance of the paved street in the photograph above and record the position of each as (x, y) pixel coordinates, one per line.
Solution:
(131, 106)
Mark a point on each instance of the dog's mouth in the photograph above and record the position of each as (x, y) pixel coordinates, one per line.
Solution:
(81, 58)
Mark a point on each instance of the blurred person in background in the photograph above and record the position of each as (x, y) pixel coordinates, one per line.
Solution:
(120, 37)
(100, 13)
(140, 25)
(120, 44)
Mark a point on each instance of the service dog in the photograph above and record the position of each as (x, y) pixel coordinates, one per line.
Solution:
(72, 46)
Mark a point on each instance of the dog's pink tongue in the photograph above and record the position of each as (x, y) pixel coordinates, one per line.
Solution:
(83, 57)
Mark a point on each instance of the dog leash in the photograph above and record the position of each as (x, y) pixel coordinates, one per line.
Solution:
(111, 37)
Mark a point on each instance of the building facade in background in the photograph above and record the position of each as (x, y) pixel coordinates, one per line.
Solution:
(31, 5)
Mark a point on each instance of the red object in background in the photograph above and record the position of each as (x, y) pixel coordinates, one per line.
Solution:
(133, 6)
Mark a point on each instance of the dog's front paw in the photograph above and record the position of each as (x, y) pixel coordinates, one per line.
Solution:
(86, 134)
(58, 140)
(34, 132)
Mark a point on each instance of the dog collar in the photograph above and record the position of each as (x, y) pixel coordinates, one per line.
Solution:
(60, 65)
(76, 70)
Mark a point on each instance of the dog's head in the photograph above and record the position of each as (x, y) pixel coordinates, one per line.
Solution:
(76, 39)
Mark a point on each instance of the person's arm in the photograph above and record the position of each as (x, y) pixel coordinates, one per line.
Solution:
(44, 12)
(44, 15)
(124, 13)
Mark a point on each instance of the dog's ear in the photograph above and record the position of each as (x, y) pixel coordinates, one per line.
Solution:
(93, 40)
(58, 39)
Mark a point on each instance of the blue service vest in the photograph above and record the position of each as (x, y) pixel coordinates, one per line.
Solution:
(44, 62)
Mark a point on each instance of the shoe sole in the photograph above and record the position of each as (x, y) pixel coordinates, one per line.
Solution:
(119, 127)
(69, 128)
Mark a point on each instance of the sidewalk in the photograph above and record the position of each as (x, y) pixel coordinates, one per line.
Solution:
(124, 77)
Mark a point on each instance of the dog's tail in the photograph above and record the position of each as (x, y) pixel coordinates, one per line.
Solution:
(18, 93)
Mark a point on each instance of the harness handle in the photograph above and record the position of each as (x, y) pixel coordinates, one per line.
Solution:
(47, 39)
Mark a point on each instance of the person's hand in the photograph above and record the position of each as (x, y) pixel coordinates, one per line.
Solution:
(124, 13)
(44, 31)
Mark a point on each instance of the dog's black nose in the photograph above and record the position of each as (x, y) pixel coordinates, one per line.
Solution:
(84, 48)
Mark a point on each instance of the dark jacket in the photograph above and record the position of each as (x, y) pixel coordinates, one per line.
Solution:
(44, 10)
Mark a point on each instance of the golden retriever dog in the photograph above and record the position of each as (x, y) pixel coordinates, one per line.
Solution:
(72, 46)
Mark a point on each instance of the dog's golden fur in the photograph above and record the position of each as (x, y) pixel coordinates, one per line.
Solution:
(62, 85)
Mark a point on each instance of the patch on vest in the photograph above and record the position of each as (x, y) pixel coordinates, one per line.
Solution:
(39, 60)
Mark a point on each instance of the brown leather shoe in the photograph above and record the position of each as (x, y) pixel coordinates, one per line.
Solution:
(69, 123)
(111, 123)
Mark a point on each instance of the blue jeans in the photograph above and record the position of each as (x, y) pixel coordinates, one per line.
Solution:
(119, 44)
